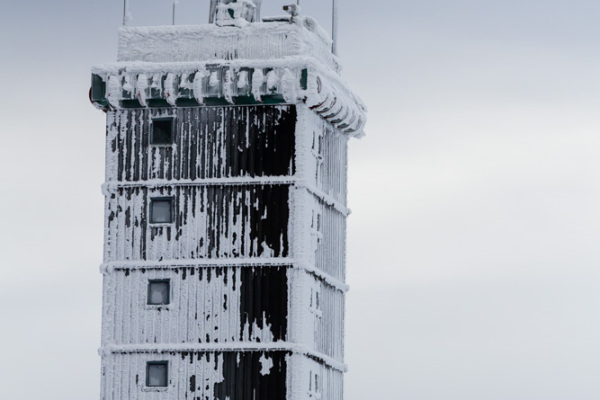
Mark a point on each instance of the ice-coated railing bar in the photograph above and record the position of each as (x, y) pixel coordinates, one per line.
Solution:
(222, 347)
(254, 262)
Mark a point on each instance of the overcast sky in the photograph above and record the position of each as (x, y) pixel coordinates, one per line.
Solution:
(473, 244)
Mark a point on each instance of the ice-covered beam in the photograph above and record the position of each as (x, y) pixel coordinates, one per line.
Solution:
(293, 81)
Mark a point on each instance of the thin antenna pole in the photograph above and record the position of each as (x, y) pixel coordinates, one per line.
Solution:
(334, 25)
(174, 7)
(125, 3)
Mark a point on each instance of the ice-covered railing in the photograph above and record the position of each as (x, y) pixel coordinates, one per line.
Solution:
(255, 41)
(271, 63)
(149, 85)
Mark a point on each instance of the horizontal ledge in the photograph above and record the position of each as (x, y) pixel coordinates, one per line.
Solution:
(109, 267)
(203, 263)
(111, 186)
(293, 80)
(224, 347)
(237, 181)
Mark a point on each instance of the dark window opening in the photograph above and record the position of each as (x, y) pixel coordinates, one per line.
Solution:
(161, 210)
(159, 292)
(162, 131)
(157, 374)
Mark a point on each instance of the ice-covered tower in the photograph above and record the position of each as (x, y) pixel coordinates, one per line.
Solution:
(225, 224)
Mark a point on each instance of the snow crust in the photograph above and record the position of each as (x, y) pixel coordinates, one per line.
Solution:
(255, 41)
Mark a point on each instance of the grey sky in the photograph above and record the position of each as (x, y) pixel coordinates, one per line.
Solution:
(473, 244)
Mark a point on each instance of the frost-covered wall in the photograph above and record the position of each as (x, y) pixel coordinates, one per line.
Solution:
(197, 375)
(257, 41)
(208, 305)
(254, 172)
(210, 142)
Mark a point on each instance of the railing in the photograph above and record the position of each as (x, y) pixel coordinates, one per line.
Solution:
(194, 12)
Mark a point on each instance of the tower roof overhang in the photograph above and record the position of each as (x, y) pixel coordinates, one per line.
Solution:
(274, 62)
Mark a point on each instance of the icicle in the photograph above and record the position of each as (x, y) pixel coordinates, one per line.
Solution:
(242, 82)
(289, 85)
(170, 89)
(113, 91)
(258, 78)
(141, 87)
(127, 86)
(272, 81)
(198, 86)
(227, 86)
(214, 79)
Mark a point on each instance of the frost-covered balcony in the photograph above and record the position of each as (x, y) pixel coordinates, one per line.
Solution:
(284, 61)
(254, 41)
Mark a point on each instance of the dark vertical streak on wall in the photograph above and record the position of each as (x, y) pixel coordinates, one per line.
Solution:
(244, 381)
(264, 292)
(271, 230)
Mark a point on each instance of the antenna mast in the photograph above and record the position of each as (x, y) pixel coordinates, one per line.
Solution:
(334, 25)
(125, 3)
(174, 7)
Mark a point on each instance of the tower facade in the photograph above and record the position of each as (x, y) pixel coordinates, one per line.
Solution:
(225, 211)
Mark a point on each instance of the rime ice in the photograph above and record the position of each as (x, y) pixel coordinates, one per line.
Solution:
(237, 214)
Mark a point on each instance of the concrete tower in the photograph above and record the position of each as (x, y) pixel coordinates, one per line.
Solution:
(225, 212)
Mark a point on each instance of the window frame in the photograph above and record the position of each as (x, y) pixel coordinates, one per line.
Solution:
(147, 380)
(151, 221)
(173, 131)
(148, 293)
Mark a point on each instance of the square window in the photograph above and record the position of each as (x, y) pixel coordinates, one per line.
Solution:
(162, 131)
(159, 292)
(161, 210)
(157, 374)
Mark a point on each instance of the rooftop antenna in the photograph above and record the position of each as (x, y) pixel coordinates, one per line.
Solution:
(125, 9)
(334, 25)
(174, 8)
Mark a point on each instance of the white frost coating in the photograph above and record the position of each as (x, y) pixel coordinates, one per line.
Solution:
(266, 41)
(214, 80)
(289, 86)
(228, 83)
(198, 85)
(128, 87)
(200, 310)
(113, 91)
(243, 80)
(242, 12)
(254, 333)
(258, 79)
(272, 81)
(141, 89)
(266, 364)
(268, 252)
(170, 89)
